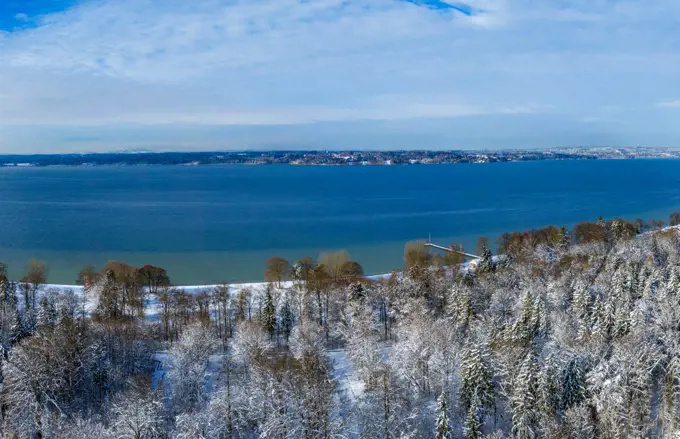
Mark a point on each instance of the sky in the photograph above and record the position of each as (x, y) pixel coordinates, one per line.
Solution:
(106, 75)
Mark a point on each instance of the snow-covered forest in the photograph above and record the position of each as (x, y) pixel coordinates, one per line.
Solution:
(572, 334)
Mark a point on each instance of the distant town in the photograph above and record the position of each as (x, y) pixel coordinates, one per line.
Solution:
(321, 157)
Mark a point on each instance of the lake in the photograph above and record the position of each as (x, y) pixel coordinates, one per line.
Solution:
(213, 224)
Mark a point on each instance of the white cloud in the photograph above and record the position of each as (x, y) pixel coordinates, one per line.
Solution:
(669, 104)
(21, 17)
(274, 62)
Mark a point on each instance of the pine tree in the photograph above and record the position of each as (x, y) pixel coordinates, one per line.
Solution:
(573, 384)
(9, 295)
(524, 400)
(17, 327)
(356, 294)
(539, 317)
(580, 304)
(443, 429)
(599, 321)
(64, 316)
(672, 285)
(469, 278)
(44, 317)
(477, 384)
(286, 319)
(548, 388)
(524, 328)
(473, 422)
(460, 306)
(268, 316)
(655, 251)
(619, 284)
(29, 321)
(584, 330)
(486, 262)
(622, 320)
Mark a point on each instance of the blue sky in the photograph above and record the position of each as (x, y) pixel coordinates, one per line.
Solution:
(102, 75)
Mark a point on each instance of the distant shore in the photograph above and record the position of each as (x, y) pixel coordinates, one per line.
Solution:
(333, 158)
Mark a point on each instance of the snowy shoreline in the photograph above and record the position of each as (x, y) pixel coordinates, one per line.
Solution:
(195, 289)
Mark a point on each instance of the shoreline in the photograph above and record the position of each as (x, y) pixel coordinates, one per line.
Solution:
(334, 165)
(202, 288)
(288, 284)
(334, 158)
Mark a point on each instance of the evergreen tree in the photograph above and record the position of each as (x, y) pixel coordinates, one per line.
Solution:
(486, 261)
(581, 300)
(473, 422)
(443, 429)
(9, 295)
(268, 316)
(17, 328)
(64, 316)
(622, 320)
(356, 294)
(548, 388)
(584, 328)
(573, 384)
(539, 317)
(599, 327)
(672, 285)
(524, 400)
(619, 284)
(29, 322)
(469, 278)
(652, 287)
(286, 319)
(460, 306)
(476, 376)
(525, 327)
(45, 314)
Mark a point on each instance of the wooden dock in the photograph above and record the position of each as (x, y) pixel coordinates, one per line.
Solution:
(449, 249)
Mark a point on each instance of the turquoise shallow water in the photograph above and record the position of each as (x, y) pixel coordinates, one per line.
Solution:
(213, 224)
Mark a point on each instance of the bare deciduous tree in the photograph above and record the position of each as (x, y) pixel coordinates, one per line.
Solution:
(278, 270)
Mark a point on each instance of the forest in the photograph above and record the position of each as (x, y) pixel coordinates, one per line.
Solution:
(563, 334)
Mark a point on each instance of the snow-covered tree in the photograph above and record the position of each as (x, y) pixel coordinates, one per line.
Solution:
(486, 263)
(573, 383)
(190, 358)
(525, 400)
(473, 422)
(138, 415)
(476, 377)
(251, 343)
(46, 313)
(286, 318)
(442, 426)
(268, 316)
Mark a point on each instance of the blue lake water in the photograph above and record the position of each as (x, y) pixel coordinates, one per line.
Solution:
(213, 224)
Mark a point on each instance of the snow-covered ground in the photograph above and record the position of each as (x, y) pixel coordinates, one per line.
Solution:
(344, 375)
(215, 371)
(153, 307)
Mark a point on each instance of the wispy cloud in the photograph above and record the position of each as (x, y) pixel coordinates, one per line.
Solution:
(669, 104)
(444, 6)
(293, 62)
